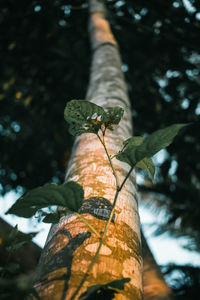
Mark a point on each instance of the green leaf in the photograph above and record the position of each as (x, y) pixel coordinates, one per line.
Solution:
(52, 217)
(148, 165)
(137, 148)
(98, 289)
(69, 195)
(12, 235)
(83, 117)
(87, 117)
(113, 116)
(12, 248)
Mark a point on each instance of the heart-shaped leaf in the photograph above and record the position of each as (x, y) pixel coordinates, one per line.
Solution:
(148, 165)
(137, 148)
(83, 117)
(86, 117)
(69, 195)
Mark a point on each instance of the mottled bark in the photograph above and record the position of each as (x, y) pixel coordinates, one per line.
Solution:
(155, 287)
(70, 245)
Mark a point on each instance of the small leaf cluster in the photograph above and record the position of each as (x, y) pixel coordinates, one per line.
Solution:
(87, 117)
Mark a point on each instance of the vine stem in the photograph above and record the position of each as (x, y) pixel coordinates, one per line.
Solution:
(109, 158)
(102, 240)
(88, 224)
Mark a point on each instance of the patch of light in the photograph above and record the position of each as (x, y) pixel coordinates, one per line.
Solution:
(176, 4)
(66, 9)
(144, 11)
(165, 249)
(173, 167)
(124, 67)
(16, 127)
(137, 17)
(185, 103)
(172, 74)
(139, 179)
(197, 110)
(119, 3)
(197, 16)
(62, 23)
(162, 82)
(160, 157)
(37, 8)
(189, 7)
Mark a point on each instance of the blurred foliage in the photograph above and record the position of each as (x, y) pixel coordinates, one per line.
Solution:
(184, 280)
(46, 58)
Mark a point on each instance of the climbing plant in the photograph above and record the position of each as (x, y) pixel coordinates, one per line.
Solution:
(86, 117)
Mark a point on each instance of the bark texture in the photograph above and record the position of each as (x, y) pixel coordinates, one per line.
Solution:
(70, 245)
(155, 287)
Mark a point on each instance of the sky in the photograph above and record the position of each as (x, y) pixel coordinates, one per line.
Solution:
(164, 248)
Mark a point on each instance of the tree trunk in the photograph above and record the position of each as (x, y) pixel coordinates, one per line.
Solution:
(155, 287)
(70, 245)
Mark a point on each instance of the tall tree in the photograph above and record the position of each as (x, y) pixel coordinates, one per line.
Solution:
(70, 246)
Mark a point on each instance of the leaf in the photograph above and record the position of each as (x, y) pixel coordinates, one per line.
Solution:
(69, 195)
(148, 165)
(12, 235)
(137, 148)
(113, 116)
(83, 117)
(87, 117)
(13, 247)
(52, 217)
(96, 290)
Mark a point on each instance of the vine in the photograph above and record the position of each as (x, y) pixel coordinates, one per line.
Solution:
(87, 117)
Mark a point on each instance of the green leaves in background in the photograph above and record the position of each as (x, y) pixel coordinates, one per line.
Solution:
(104, 291)
(69, 195)
(16, 239)
(138, 151)
(87, 117)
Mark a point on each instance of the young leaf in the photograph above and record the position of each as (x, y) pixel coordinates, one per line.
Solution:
(69, 195)
(148, 165)
(135, 150)
(113, 116)
(98, 289)
(83, 116)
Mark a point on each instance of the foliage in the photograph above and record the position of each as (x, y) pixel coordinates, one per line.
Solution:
(136, 149)
(69, 195)
(184, 281)
(13, 283)
(87, 117)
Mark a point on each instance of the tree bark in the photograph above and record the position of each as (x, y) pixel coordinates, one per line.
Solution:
(70, 245)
